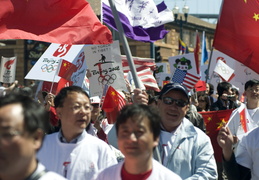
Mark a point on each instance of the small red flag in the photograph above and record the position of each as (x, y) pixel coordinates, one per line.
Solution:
(214, 120)
(61, 22)
(112, 104)
(200, 86)
(55, 87)
(243, 120)
(66, 69)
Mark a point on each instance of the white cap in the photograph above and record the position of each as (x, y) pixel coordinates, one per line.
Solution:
(95, 100)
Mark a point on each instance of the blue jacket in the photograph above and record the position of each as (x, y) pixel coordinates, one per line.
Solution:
(192, 155)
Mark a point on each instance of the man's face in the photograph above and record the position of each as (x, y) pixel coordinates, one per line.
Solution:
(172, 115)
(95, 111)
(75, 114)
(135, 140)
(17, 148)
(252, 93)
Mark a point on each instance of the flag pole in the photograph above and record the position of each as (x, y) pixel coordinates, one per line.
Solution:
(208, 72)
(125, 44)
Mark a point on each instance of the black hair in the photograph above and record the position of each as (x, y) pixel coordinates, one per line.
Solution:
(138, 112)
(223, 86)
(34, 114)
(251, 83)
(211, 91)
(60, 97)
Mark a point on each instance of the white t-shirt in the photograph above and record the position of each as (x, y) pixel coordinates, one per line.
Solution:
(76, 161)
(159, 172)
(247, 153)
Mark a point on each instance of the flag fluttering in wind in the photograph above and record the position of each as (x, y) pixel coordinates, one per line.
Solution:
(61, 22)
(189, 80)
(144, 68)
(141, 20)
(112, 104)
(204, 52)
(214, 120)
(197, 53)
(236, 34)
(183, 48)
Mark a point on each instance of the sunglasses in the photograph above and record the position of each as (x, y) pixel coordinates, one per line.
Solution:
(178, 102)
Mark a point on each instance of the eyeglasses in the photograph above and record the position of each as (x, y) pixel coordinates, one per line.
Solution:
(178, 102)
(87, 107)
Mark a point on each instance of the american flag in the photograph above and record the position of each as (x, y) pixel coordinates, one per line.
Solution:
(144, 68)
(187, 79)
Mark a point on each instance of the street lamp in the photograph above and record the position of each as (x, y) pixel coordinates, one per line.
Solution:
(185, 11)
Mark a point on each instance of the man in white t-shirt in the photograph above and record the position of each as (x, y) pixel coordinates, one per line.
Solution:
(250, 109)
(72, 152)
(21, 135)
(138, 129)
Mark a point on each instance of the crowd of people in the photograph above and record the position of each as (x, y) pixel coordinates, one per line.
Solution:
(156, 136)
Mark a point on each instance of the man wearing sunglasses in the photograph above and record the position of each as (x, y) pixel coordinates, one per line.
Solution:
(184, 149)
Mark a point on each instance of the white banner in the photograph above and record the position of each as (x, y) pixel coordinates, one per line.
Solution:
(8, 68)
(45, 68)
(105, 67)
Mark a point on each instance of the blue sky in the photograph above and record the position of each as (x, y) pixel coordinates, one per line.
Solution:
(196, 6)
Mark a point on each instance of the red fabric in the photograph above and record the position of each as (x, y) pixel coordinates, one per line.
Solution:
(55, 21)
(237, 32)
(53, 116)
(66, 69)
(112, 104)
(101, 135)
(243, 119)
(127, 176)
(197, 53)
(214, 121)
(56, 87)
(200, 86)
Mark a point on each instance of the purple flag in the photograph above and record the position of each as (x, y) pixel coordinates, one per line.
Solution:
(139, 26)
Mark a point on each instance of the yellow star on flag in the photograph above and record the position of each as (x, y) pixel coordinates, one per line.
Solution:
(113, 93)
(256, 16)
(220, 124)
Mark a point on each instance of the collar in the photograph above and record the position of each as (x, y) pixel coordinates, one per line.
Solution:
(73, 141)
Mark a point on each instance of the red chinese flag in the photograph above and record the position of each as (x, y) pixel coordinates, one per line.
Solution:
(112, 104)
(197, 53)
(243, 119)
(237, 32)
(66, 69)
(56, 87)
(214, 120)
(61, 22)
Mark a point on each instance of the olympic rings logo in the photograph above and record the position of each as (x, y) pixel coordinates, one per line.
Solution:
(107, 79)
(48, 68)
(223, 69)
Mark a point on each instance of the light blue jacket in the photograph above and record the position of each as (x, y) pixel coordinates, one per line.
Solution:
(192, 155)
